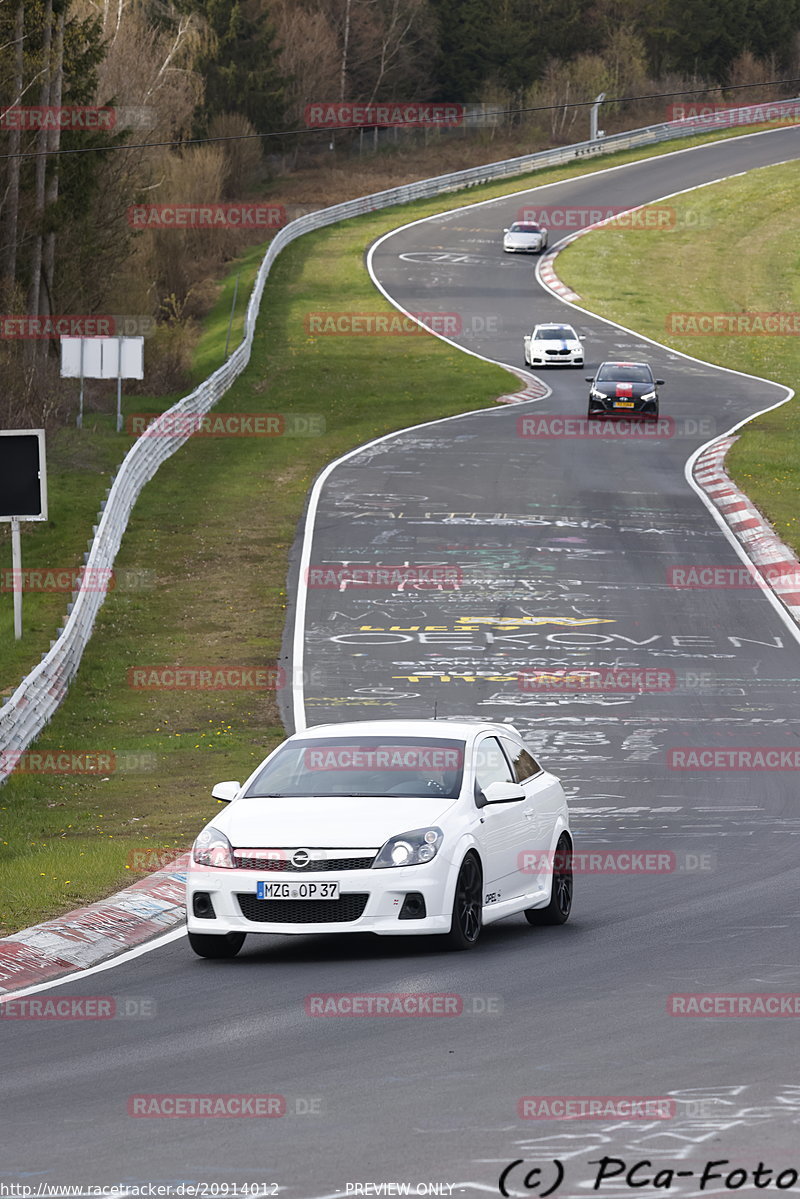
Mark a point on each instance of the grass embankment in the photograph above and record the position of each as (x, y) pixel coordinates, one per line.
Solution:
(209, 539)
(80, 466)
(735, 248)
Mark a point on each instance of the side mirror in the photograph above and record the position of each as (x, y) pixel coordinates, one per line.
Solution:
(659, 382)
(500, 792)
(225, 792)
(581, 337)
(505, 230)
(589, 378)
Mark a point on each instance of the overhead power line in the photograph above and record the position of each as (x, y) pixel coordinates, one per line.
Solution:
(327, 130)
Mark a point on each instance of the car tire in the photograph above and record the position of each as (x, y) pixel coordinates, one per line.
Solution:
(216, 945)
(560, 905)
(467, 919)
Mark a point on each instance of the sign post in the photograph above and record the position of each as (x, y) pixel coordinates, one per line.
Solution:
(16, 576)
(23, 496)
(102, 358)
(80, 403)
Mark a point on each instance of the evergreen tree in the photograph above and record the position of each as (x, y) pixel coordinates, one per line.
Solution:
(240, 71)
(464, 37)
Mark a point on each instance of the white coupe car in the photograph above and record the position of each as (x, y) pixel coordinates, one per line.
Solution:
(524, 237)
(389, 827)
(553, 345)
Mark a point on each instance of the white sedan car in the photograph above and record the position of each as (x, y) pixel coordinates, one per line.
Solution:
(524, 237)
(553, 345)
(384, 826)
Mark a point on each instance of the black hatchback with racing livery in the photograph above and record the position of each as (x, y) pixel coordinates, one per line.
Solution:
(624, 389)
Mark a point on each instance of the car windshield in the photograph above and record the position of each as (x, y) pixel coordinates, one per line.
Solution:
(519, 228)
(363, 766)
(624, 372)
(555, 333)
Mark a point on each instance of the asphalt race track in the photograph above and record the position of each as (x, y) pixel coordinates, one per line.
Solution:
(563, 548)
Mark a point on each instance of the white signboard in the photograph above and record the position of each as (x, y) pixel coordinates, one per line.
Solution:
(102, 357)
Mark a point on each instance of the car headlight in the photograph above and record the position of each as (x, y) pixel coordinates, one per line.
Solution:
(410, 849)
(599, 395)
(212, 848)
(649, 395)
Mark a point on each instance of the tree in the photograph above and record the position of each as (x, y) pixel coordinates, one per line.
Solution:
(240, 68)
(8, 242)
(463, 43)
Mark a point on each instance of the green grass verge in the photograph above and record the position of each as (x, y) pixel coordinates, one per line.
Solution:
(735, 248)
(210, 537)
(80, 466)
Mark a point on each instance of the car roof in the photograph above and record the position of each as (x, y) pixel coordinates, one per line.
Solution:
(553, 325)
(463, 729)
(614, 362)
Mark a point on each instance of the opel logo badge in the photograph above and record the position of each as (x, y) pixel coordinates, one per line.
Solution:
(301, 858)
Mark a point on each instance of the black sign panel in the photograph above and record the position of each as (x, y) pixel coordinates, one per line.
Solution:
(21, 484)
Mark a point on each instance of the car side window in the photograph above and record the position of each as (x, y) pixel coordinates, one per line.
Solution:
(491, 764)
(525, 766)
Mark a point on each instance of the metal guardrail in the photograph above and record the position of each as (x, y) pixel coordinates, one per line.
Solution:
(33, 703)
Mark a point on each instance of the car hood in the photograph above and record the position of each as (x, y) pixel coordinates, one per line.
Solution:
(318, 823)
(523, 237)
(625, 391)
(556, 343)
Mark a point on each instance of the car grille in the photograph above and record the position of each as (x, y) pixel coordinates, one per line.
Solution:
(558, 351)
(303, 911)
(257, 860)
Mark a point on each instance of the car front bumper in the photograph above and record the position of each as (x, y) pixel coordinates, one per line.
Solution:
(370, 902)
(606, 408)
(573, 358)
